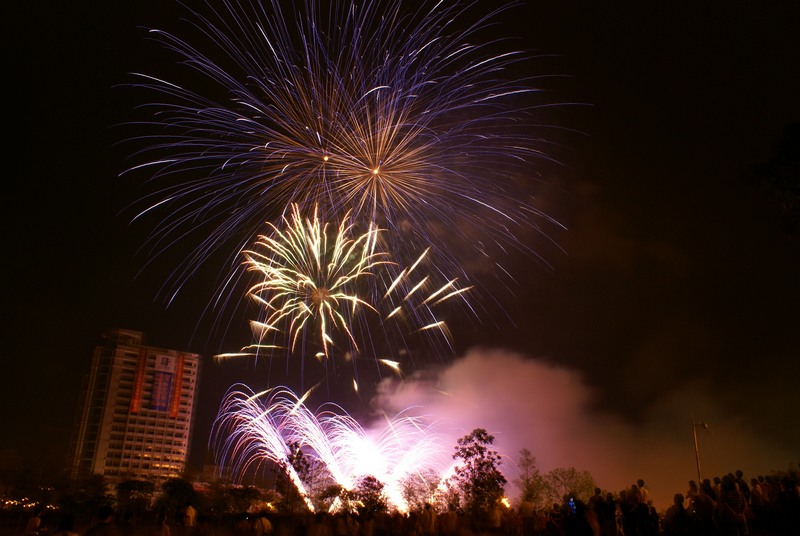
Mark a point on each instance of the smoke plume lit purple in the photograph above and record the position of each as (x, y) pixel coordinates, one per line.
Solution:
(551, 411)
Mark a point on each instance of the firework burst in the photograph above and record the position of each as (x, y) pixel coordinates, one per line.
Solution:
(252, 434)
(313, 283)
(304, 277)
(408, 118)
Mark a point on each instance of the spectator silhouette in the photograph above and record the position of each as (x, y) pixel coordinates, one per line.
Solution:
(35, 526)
(733, 508)
(66, 527)
(676, 519)
(105, 523)
(644, 493)
(743, 487)
(788, 507)
(576, 523)
(692, 492)
(703, 509)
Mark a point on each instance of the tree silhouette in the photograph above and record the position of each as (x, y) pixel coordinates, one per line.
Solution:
(293, 500)
(563, 481)
(478, 477)
(533, 488)
(134, 496)
(369, 496)
(176, 493)
(419, 489)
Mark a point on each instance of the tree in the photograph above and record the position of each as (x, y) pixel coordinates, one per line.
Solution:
(330, 495)
(176, 493)
(533, 488)
(419, 489)
(318, 481)
(293, 500)
(478, 477)
(85, 495)
(569, 481)
(369, 496)
(134, 496)
(243, 498)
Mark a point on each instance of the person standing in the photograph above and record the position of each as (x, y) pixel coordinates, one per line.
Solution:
(105, 523)
(166, 530)
(733, 508)
(189, 518)
(35, 527)
(676, 519)
(427, 521)
(262, 525)
(644, 493)
(66, 527)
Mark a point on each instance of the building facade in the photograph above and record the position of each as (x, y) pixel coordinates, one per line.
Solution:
(137, 412)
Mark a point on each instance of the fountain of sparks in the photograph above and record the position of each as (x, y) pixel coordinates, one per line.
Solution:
(255, 430)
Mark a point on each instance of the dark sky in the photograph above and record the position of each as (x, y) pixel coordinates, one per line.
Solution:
(674, 290)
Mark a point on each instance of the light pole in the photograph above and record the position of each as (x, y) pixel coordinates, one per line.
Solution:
(695, 425)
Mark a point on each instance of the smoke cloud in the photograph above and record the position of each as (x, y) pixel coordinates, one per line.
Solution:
(550, 410)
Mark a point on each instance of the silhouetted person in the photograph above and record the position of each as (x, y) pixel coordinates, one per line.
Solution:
(576, 523)
(607, 516)
(66, 527)
(709, 489)
(788, 508)
(35, 526)
(427, 520)
(676, 518)
(555, 520)
(644, 493)
(732, 508)
(593, 510)
(105, 523)
(166, 530)
(744, 489)
(703, 510)
(189, 518)
(692, 492)
(263, 526)
(319, 526)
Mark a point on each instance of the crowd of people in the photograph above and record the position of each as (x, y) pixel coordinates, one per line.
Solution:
(726, 506)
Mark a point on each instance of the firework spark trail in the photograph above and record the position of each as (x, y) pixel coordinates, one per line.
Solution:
(404, 118)
(310, 279)
(249, 432)
(303, 277)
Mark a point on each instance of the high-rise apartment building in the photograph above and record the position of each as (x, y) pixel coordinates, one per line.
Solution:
(137, 412)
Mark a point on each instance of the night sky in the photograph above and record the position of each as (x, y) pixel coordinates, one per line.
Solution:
(673, 292)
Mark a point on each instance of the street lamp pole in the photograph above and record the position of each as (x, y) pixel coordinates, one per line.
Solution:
(697, 446)
(696, 452)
